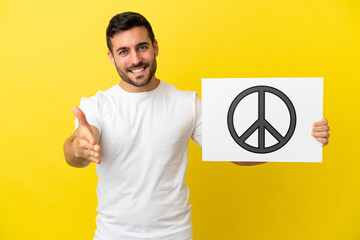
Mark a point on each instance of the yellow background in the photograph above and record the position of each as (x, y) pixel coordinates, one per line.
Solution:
(52, 53)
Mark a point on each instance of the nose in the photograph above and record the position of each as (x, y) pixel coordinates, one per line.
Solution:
(135, 58)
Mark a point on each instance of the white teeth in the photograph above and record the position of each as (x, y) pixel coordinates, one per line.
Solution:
(137, 70)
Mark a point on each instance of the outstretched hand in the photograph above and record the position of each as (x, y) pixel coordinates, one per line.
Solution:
(84, 144)
(320, 131)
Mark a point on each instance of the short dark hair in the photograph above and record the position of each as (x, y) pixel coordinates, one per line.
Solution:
(125, 21)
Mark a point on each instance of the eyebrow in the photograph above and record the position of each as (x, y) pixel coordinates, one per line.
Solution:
(137, 45)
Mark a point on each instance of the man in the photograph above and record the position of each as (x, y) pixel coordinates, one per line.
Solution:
(142, 127)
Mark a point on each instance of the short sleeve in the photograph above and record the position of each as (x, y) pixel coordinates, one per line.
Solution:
(197, 133)
(91, 111)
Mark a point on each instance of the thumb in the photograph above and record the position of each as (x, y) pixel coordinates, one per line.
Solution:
(79, 114)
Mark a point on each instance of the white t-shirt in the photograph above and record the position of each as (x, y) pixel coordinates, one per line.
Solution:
(144, 138)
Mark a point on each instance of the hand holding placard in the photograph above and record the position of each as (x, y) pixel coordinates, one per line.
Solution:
(320, 131)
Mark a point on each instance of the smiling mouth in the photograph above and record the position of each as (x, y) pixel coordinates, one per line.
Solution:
(138, 70)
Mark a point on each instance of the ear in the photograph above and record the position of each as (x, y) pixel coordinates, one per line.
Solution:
(156, 48)
(111, 58)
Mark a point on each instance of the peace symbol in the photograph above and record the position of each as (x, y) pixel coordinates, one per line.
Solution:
(261, 123)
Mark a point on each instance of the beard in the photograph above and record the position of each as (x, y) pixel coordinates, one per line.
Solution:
(127, 79)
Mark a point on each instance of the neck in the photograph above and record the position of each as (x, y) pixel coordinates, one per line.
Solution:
(154, 82)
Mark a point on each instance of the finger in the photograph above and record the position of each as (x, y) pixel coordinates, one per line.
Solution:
(84, 153)
(79, 114)
(95, 160)
(320, 134)
(324, 128)
(83, 146)
(321, 122)
(92, 156)
(97, 148)
(95, 157)
(97, 153)
(323, 141)
(85, 149)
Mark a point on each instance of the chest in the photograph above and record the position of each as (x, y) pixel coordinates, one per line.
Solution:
(150, 126)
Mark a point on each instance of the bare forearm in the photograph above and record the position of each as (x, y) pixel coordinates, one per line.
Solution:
(70, 157)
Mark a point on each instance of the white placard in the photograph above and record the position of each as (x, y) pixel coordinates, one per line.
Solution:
(261, 119)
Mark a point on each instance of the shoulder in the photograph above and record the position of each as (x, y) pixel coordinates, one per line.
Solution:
(100, 95)
(97, 102)
(103, 96)
(173, 91)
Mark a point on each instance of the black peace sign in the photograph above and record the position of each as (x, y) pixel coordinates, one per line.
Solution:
(261, 124)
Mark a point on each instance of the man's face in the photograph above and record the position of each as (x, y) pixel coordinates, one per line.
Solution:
(134, 56)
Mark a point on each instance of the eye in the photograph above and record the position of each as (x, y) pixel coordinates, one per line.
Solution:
(143, 47)
(122, 52)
